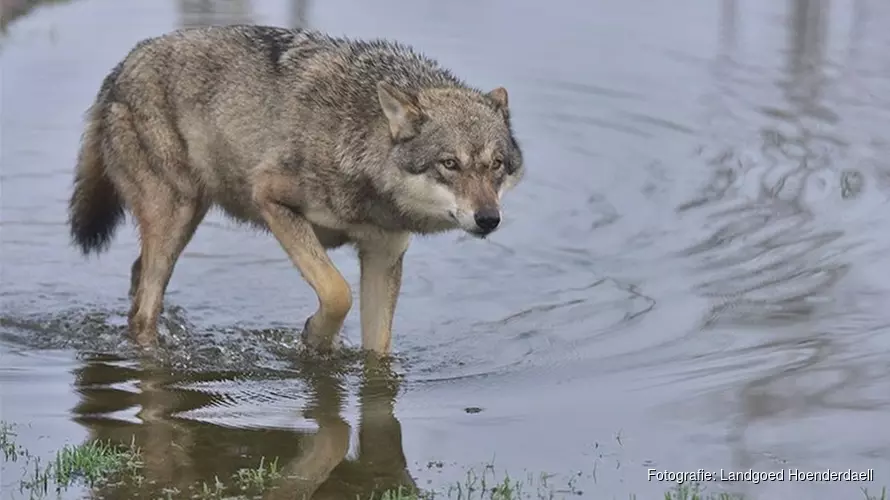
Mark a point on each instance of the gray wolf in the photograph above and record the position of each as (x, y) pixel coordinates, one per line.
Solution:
(323, 141)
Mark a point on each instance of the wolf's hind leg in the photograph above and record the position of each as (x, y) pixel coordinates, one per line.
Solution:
(165, 225)
(149, 166)
(274, 191)
(135, 273)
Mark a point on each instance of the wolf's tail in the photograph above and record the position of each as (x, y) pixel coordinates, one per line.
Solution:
(96, 207)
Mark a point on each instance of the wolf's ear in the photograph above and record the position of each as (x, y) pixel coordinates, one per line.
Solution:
(499, 97)
(401, 109)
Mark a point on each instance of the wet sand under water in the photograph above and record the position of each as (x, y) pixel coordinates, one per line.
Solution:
(693, 274)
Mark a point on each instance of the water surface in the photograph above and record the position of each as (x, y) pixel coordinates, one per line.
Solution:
(693, 273)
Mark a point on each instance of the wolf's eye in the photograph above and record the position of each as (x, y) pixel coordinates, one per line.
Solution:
(449, 164)
(497, 164)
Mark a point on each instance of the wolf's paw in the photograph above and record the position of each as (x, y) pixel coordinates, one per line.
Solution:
(307, 331)
(144, 338)
(141, 330)
(317, 340)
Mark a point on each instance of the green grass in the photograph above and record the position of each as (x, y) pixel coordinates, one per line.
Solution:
(97, 464)
(869, 496)
(487, 484)
(94, 462)
(696, 492)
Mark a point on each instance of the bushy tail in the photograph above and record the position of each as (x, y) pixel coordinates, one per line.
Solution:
(95, 208)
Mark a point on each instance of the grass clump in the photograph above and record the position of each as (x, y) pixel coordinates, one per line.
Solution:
(487, 485)
(11, 451)
(94, 463)
(695, 491)
(869, 496)
(258, 478)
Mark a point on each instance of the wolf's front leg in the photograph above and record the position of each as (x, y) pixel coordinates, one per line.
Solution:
(274, 193)
(381, 280)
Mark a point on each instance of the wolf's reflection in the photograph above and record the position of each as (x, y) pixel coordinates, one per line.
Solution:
(147, 405)
(321, 471)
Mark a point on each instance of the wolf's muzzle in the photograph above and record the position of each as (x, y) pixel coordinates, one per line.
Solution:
(487, 219)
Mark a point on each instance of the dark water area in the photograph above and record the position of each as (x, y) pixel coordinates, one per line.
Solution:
(693, 274)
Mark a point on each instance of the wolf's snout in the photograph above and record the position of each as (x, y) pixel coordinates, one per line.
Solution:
(487, 219)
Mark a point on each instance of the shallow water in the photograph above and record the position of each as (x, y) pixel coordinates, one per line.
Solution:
(692, 275)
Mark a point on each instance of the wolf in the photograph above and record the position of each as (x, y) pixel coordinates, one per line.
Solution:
(321, 140)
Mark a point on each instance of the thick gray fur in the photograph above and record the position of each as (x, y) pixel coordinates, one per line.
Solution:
(321, 140)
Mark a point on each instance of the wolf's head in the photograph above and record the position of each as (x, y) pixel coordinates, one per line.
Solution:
(456, 152)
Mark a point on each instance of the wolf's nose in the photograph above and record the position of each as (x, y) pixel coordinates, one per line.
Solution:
(487, 219)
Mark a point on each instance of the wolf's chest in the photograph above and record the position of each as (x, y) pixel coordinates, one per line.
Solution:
(322, 216)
